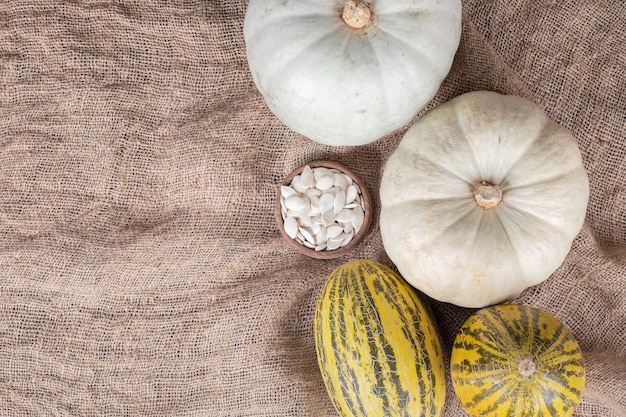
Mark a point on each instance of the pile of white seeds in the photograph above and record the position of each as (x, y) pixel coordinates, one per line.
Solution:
(322, 208)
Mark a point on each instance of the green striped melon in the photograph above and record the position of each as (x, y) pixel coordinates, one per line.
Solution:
(377, 347)
(513, 360)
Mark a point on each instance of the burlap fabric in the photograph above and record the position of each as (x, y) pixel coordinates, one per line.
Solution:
(142, 273)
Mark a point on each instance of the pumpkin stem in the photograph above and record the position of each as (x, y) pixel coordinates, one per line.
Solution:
(487, 195)
(356, 14)
(526, 367)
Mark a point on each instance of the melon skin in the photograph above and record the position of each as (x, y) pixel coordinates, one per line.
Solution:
(377, 346)
(514, 360)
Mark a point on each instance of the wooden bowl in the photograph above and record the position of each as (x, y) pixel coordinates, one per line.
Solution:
(358, 237)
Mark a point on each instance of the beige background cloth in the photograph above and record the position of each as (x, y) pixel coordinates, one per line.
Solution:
(141, 270)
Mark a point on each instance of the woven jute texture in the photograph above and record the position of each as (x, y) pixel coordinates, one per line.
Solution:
(141, 269)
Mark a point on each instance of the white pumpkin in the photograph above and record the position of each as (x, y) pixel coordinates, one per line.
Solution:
(345, 73)
(482, 198)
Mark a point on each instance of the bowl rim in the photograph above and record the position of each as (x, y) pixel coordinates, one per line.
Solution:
(358, 237)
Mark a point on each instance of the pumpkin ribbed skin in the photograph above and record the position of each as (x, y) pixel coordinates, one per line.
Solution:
(377, 347)
(512, 360)
(342, 86)
(443, 226)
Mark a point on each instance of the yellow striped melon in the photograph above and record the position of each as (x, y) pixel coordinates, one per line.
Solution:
(377, 347)
(513, 360)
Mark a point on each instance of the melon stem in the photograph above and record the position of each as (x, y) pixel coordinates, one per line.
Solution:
(526, 367)
(355, 14)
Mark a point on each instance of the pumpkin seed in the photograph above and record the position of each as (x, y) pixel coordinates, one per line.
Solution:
(328, 218)
(333, 244)
(320, 172)
(295, 183)
(315, 228)
(308, 244)
(291, 227)
(306, 177)
(360, 217)
(346, 216)
(295, 203)
(351, 193)
(339, 202)
(307, 235)
(286, 191)
(324, 183)
(306, 221)
(322, 208)
(334, 231)
(340, 181)
(326, 203)
(312, 193)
